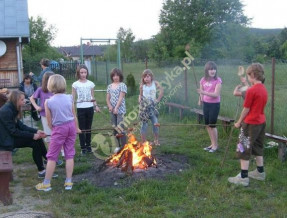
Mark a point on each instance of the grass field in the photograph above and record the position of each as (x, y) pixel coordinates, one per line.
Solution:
(199, 191)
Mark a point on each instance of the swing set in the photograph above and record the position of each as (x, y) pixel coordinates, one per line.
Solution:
(108, 41)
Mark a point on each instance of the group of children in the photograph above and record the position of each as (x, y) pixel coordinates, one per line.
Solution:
(61, 123)
(252, 120)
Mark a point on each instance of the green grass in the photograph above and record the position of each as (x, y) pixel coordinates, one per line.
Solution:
(201, 190)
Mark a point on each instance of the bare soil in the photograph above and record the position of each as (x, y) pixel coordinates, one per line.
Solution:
(110, 176)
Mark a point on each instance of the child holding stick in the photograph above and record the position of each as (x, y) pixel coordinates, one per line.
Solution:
(210, 87)
(84, 89)
(252, 120)
(62, 120)
(148, 101)
(115, 99)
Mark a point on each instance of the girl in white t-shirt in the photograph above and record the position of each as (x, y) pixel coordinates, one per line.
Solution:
(84, 89)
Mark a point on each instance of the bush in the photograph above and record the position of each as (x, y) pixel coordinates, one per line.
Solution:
(131, 84)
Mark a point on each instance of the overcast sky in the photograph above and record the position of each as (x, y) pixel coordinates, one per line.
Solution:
(103, 18)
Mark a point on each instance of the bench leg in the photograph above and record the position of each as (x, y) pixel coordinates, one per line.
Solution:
(199, 118)
(180, 113)
(226, 126)
(282, 151)
(5, 195)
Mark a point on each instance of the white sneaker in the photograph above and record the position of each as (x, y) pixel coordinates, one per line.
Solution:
(117, 149)
(238, 180)
(256, 175)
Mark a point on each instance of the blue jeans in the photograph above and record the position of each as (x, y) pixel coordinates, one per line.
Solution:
(155, 129)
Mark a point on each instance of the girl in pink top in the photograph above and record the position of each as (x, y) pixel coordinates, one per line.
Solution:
(209, 96)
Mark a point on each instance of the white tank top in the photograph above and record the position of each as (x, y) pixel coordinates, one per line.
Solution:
(149, 92)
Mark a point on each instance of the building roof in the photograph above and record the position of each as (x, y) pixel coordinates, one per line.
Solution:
(14, 20)
(75, 51)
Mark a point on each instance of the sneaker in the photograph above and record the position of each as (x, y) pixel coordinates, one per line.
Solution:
(256, 175)
(42, 175)
(117, 149)
(42, 187)
(59, 163)
(83, 152)
(238, 180)
(156, 143)
(207, 148)
(68, 185)
(212, 150)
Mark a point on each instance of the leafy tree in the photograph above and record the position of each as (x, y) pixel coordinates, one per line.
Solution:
(41, 36)
(141, 49)
(198, 20)
(126, 37)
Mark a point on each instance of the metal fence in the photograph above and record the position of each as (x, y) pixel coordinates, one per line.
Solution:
(180, 86)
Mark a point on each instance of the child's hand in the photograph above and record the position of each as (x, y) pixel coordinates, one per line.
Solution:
(97, 108)
(116, 110)
(79, 131)
(199, 91)
(38, 108)
(237, 124)
(36, 136)
(110, 108)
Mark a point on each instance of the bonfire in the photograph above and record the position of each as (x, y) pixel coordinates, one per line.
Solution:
(134, 155)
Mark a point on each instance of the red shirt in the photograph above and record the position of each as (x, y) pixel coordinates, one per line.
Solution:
(256, 99)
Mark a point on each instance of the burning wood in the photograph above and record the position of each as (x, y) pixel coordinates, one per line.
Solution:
(134, 155)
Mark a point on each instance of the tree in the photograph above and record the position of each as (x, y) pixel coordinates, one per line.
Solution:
(126, 37)
(198, 20)
(41, 36)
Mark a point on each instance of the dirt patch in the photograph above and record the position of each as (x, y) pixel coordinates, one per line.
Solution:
(113, 177)
(23, 204)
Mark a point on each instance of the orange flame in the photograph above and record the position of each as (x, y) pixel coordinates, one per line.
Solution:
(141, 153)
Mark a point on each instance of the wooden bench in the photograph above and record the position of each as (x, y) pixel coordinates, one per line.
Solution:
(4, 83)
(226, 121)
(179, 106)
(282, 145)
(6, 168)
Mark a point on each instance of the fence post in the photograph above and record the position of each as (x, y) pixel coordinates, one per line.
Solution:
(107, 74)
(272, 96)
(185, 86)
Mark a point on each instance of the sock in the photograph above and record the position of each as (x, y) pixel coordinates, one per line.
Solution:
(244, 173)
(68, 180)
(62, 153)
(46, 181)
(260, 169)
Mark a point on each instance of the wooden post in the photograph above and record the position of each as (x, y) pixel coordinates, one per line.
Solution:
(272, 96)
(6, 168)
(282, 151)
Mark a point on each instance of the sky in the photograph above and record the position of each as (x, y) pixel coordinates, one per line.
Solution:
(103, 18)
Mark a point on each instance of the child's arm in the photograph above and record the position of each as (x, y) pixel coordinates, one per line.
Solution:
(108, 102)
(214, 94)
(74, 94)
(95, 102)
(243, 114)
(236, 91)
(122, 95)
(158, 86)
(33, 102)
(141, 93)
(76, 119)
(200, 95)
(48, 115)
